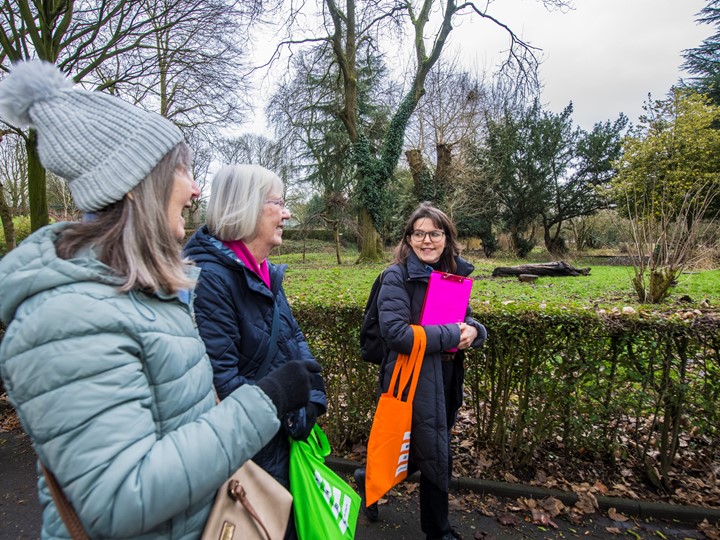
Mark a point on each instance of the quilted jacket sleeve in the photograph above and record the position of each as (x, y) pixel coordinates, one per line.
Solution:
(124, 416)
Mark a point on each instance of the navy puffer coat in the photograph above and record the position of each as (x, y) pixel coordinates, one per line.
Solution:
(400, 303)
(234, 311)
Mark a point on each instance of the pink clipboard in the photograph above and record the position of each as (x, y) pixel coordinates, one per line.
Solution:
(446, 299)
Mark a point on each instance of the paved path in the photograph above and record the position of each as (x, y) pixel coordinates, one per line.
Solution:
(399, 517)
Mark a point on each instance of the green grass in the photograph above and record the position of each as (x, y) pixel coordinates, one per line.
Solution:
(606, 287)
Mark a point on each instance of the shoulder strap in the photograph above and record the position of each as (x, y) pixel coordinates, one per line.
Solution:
(272, 344)
(64, 507)
(411, 287)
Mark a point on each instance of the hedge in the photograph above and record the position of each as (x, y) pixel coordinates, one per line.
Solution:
(614, 385)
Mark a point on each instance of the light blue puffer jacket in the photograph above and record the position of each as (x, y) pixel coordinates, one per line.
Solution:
(115, 391)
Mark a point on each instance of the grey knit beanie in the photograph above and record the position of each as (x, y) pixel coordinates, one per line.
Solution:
(100, 144)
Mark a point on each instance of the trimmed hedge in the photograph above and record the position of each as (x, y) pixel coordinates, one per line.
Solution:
(551, 379)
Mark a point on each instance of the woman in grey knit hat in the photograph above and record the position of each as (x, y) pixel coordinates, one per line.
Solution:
(101, 357)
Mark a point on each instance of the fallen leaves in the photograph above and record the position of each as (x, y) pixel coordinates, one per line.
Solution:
(616, 516)
(508, 519)
(711, 531)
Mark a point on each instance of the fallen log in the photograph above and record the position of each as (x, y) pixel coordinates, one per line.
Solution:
(556, 268)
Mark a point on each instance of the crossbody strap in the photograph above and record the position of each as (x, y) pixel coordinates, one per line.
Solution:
(64, 507)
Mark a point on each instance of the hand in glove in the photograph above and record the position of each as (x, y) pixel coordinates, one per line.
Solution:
(299, 424)
(288, 387)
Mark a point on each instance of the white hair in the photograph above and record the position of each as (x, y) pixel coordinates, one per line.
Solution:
(237, 198)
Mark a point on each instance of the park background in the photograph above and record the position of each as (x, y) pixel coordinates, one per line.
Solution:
(605, 383)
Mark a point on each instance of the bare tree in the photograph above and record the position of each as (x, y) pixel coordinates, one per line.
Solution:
(357, 22)
(448, 118)
(13, 171)
(13, 183)
(668, 238)
(88, 38)
(259, 150)
(190, 69)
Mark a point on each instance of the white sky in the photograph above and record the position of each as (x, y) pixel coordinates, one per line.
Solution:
(605, 55)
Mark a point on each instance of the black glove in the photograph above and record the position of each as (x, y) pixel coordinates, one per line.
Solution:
(299, 424)
(288, 387)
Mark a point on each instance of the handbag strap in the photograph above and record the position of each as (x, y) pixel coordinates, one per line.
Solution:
(67, 513)
(407, 366)
(237, 492)
(272, 347)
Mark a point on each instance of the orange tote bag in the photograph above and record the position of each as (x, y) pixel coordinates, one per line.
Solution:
(389, 444)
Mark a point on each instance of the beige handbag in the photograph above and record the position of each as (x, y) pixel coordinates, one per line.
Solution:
(250, 505)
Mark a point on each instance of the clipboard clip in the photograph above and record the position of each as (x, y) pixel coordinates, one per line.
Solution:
(452, 277)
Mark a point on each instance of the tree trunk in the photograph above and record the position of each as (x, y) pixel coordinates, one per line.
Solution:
(37, 187)
(336, 237)
(371, 247)
(7, 222)
(415, 161)
(557, 268)
(442, 170)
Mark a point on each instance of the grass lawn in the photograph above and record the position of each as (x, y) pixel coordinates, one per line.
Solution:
(607, 287)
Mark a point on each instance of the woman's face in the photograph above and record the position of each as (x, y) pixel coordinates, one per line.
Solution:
(271, 222)
(183, 192)
(428, 249)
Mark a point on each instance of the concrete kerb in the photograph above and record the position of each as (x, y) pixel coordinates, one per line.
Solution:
(642, 509)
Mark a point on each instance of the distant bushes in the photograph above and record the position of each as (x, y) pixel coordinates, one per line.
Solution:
(324, 235)
(22, 231)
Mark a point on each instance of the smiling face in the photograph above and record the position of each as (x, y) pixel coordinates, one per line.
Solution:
(183, 192)
(270, 225)
(427, 250)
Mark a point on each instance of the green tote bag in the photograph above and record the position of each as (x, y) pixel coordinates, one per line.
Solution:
(325, 506)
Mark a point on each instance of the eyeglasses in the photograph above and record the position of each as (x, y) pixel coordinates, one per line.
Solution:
(419, 236)
(277, 202)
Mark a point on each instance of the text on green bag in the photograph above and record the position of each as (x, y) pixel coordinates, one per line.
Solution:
(333, 497)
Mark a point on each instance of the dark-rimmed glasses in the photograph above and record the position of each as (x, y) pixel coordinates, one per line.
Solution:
(419, 236)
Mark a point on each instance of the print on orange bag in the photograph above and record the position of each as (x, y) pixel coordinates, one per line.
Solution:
(404, 455)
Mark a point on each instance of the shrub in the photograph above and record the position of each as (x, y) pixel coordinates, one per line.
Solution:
(568, 378)
(22, 231)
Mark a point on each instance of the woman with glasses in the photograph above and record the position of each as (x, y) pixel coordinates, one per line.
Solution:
(240, 305)
(429, 243)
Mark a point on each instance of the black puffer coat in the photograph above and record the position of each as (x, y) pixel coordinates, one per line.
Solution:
(400, 304)
(234, 311)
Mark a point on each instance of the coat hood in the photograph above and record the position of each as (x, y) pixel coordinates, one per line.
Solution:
(34, 267)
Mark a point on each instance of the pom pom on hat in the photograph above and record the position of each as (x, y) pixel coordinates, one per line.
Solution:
(100, 144)
(27, 84)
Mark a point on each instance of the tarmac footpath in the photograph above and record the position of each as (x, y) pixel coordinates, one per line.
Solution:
(486, 516)
(478, 508)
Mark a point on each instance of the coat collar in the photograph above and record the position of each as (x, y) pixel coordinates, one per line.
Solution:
(205, 247)
(419, 270)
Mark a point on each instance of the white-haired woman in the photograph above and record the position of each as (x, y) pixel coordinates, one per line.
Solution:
(101, 358)
(240, 298)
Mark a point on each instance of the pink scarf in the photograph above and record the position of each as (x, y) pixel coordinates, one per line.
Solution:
(239, 248)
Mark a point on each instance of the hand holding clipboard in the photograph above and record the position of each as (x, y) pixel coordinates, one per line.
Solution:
(446, 299)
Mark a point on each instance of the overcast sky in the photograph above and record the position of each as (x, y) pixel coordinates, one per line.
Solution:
(605, 55)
